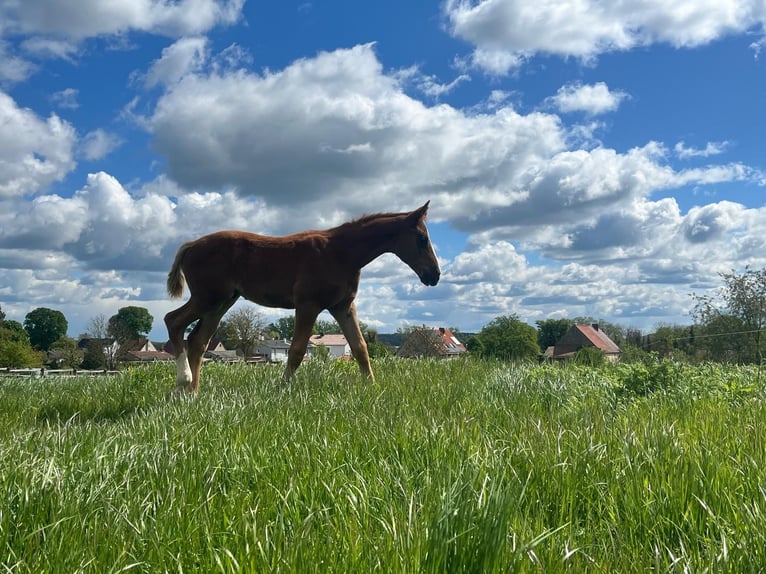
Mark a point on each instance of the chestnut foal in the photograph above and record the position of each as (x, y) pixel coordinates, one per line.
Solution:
(308, 271)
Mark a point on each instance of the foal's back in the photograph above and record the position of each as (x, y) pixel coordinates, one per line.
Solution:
(261, 268)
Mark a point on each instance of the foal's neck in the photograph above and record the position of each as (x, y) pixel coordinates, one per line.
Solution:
(369, 237)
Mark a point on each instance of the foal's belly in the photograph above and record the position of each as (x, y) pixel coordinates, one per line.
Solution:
(278, 300)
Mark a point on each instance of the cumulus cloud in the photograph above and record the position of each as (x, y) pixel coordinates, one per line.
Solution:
(79, 19)
(177, 60)
(592, 99)
(13, 68)
(98, 144)
(352, 130)
(34, 152)
(335, 130)
(505, 33)
(496, 262)
(103, 226)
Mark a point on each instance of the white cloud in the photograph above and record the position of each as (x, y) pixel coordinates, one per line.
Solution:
(184, 56)
(592, 99)
(34, 152)
(363, 144)
(50, 48)
(495, 262)
(98, 144)
(13, 68)
(103, 226)
(506, 32)
(79, 19)
(712, 148)
(431, 87)
(66, 98)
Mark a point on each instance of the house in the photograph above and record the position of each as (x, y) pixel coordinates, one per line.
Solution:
(215, 352)
(452, 346)
(579, 336)
(143, 350)
(336, 344)
(108, 346)
(271, 351)
(427, 342)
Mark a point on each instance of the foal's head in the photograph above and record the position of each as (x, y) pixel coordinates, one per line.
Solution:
(413, 246)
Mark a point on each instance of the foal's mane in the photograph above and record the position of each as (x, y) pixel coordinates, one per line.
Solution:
(364, 221)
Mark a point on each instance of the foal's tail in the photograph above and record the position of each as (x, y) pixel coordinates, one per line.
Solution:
(176, 275)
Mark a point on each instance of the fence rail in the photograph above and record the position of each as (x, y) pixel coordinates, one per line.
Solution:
(43, 372)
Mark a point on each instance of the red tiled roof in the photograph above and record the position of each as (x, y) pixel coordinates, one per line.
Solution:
(599, 339)
(451, 343)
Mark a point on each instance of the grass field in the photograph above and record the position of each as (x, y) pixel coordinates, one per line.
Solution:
(435, 467)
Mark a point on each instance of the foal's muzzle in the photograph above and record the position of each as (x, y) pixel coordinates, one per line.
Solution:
(430, 278)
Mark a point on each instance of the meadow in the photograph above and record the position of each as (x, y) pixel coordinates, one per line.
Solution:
(437, 466)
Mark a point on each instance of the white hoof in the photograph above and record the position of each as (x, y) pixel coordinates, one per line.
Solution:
(183, 371)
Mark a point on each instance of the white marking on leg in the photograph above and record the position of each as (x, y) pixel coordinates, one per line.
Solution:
(183, 371)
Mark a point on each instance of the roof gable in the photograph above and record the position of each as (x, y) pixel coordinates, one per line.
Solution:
(451, 343)
(579, 336)
(599, 339)
(329, 340)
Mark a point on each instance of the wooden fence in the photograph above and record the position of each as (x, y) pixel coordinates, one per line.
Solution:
(43, 372)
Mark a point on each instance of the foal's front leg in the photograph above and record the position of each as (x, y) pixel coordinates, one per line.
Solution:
(349, 324)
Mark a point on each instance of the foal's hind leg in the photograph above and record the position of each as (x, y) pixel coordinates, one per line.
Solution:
(176, 322)
(200, 337)
(304, 323)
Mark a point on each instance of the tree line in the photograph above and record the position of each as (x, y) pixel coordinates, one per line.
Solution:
(727, 326)
(42, 340)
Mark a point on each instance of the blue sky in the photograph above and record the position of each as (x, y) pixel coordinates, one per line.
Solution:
(581, 158)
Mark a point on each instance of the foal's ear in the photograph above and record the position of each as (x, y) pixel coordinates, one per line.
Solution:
(420, 213)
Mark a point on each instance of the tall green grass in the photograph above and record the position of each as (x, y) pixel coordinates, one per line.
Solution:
(445, 466)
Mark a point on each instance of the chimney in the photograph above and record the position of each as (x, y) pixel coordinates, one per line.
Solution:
(595, 326)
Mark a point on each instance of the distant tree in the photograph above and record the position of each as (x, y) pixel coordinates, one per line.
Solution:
(633, 337)
(11, 330)
(14, 354)
(129, 324)
(15, 349)
(99, 352)
(370, 335)
(420, 341)
(45, 326)
(321, 353)
(285, 326)
(475, 346)
(549, 331)
(95, 356)
(326, 327)
(508, 337)
(672, 341)
(589, 356)
(244, 327)
(98, 327)
(69, 355)
(634, 354)
(378, 349)
(742, 296)
(724, 338)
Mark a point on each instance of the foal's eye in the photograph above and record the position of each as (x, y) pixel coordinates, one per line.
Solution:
(422, 241)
